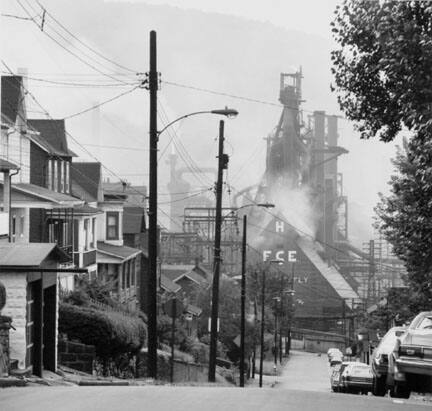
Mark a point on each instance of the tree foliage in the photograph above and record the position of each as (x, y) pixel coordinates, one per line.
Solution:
(383, 78)
(383, 66)
(405, 217)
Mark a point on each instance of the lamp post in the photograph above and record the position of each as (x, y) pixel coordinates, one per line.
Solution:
(154, 134)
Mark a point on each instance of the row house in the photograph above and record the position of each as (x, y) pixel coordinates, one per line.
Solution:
(40, 211)
(117, 263)
(73, 229)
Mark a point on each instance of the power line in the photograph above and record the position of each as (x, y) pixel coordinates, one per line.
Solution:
(85, 44)
(75, 84)
(70, 51)
(102, 103)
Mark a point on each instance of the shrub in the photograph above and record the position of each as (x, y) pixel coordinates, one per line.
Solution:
(112, 333)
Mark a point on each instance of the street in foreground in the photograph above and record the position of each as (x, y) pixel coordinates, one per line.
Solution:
(163, 398)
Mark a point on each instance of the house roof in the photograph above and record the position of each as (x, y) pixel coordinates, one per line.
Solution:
(30, 254)
(86, 210)
(168, 285)
(133, 220)
(194, 310)
(88, 176)
(23, 194)
(45, 193)
(10, 96)
(176, 272)
(52, 136)
(121, 252)
(195, 277)
(7, 165)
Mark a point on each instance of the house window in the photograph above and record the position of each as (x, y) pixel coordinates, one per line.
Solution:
(13, 228)
(51, 236)
(128, 275)
(133, 271)
(61, 175)
(112, 226)
(49, 175)
(123, 269)
(86, 234)
(55, 176)
(67, 167)
(65, 237)
(21, 226)
(4, 145)
(93, 233)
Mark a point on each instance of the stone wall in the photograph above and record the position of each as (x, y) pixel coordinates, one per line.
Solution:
(16, 307)
(76, 355)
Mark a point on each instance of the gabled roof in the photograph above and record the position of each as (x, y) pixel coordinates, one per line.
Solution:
(52, 136)
(121, 252)
(176, 272)
(30, 254)
(86, 180)
(133, 220)
(135, 194)
(10, 96)
(168, 285)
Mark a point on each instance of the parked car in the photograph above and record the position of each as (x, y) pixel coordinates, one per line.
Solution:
(335, 376)
(357, 378)
(335, 356)
(380, 360)
(410, 365)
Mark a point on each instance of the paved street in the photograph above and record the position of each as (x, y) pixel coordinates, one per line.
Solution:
(305, 371)
(304, 385)
(165, 398)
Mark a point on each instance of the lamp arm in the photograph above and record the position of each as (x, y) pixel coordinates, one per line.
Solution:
(181, 118)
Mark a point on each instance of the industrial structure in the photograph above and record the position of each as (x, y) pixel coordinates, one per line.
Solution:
(326, 278)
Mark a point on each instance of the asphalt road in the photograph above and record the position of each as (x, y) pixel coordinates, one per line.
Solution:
(166, 398)
(307, 372)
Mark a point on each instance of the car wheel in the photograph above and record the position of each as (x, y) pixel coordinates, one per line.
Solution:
(379, 388)
(400, 391)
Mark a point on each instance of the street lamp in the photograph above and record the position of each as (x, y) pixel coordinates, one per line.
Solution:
(262, 318)
(153, 84)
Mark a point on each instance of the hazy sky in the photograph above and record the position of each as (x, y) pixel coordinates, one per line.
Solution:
(309, 16)
(241, 55)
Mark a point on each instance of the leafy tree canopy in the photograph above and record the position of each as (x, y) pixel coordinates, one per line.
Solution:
(383, 66)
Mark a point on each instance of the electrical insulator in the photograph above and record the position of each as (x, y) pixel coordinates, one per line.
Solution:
(225, 160)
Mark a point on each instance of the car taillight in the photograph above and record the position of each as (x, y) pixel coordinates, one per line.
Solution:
(410, 351)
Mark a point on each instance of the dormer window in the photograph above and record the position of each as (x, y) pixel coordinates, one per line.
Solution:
(112, 225)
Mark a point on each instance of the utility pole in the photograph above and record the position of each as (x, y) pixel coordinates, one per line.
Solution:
(243, 303)
(222, 163)
(152, 234)
(262, 328)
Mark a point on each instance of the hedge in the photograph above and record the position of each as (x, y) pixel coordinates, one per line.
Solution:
(112, 333)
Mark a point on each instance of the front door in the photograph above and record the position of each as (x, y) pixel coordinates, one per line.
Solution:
(34, 327)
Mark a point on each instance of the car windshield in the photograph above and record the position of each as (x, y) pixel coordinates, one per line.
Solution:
(425, 323)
